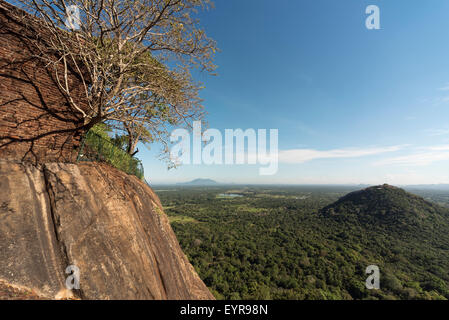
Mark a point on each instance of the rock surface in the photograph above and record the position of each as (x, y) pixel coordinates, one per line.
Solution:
(107, 223)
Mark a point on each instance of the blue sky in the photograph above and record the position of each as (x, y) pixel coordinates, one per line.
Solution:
(352, 105)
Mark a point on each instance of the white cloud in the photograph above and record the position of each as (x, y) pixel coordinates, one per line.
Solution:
(422, 158)
(439, 148)
(438, 132)
(304, 155)
(445, 88)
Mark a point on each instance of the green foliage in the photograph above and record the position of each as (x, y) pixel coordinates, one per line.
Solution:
(99, 146)
(278, 243)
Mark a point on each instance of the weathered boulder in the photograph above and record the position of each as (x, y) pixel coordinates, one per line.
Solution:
(107, 223)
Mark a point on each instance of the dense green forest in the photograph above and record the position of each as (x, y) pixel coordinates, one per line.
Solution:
(299, 243)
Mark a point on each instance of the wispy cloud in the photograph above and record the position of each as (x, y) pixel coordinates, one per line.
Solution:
(304, 155)
(423, 157)
(445, 88)
(439, 148)
(442, 99)
(438, 132)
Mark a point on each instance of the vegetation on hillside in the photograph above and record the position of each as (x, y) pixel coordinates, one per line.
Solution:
(279, 242)
(98, 145)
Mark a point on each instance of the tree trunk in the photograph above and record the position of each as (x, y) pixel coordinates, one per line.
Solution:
(133, 139)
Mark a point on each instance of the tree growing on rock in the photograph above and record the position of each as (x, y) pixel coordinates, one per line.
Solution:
(133, 60)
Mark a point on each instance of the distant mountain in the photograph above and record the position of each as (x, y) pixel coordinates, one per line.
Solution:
(200, 182)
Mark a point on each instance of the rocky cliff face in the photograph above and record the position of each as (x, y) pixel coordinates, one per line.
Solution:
(107, 223)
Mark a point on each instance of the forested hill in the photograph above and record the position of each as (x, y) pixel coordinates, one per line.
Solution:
(409, 235)
(391, 208)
